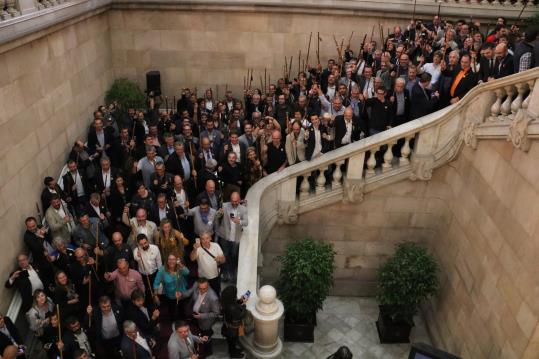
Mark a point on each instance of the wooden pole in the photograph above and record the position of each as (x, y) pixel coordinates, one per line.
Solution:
(372, 33)
(90, 299)
(265, 81)
(290, 66)
(299, 62)
(350, 39)
(521, 11)
(261, 85)
(59, 328)
(318, 47)
(413, 15)
(97, 245)
(308, 50)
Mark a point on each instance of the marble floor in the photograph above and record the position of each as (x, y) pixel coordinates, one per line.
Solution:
(346, 321)
(350, 321)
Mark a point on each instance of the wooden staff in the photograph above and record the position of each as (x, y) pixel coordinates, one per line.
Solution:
(244, 83)
(97, 245)
(413, 15)
(177, 286)
(521, 11)
(318, 47)
(439, 8)
(251, 79)
(299, 62)
(90, 299)
(290, 66)
(287, 122)
(39, 213)
(175, 106)
(265, 81)
(166, 103)
(59, 328)
(217, 98)
(285, 66)
(372, 33)
(350, 40)
(261, 85)
(308, 50)
(381, 30)
(360, 53)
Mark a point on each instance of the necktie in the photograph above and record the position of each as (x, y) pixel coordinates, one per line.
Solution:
(188, 345)
(491, 64)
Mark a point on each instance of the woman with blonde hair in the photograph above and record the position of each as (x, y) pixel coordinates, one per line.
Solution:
(170, 284)
(171, 241)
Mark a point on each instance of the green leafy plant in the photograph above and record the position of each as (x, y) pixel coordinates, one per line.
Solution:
(406, 279)
(305, 279)
(126, 93)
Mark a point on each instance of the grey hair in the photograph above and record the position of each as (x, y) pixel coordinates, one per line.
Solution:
(129, 326)
(58, 241)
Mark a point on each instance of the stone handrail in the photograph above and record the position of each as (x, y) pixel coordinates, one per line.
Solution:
(490, 110)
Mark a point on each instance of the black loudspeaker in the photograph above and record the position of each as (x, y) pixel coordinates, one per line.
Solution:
(153, 82)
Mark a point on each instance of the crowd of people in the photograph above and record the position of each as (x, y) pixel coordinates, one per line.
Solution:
(142, 231)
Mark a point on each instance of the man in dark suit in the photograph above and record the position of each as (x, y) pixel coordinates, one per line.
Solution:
(103, 179)
(9, 335)
(463, 81)
(106, 328)
(179, 163)
(160, 180)
(75, 186)
(233, 144)
(134, 345)
(100, 138)
(215, 198)
(51, 188)
(26, 279)
(204, 154)
(504, 61)
(35, 239)
(318, 140)
(75, 337)
(487, 64)
(347, 129)
(145, 317)
(162, 210)
(423, 101)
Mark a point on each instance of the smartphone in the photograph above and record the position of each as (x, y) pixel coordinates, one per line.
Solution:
(197, 240)
(247, 295)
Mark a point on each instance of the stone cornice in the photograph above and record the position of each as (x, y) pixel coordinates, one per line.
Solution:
(42, 22)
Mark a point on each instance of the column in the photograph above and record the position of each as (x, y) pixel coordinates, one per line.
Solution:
(266, 312)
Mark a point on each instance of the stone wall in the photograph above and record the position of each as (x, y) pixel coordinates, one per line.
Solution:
(479, 215)
(363, 234)
(50, 83)
(210, 48)
(489, 250)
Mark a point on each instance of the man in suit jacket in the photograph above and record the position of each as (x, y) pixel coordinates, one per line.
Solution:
(9, 335)
(204, 154)
(162, 210)
(423, 102)
(295, 144)
(51, 188)
(145, 317)
(26, 279)
(233, 219)
(59, 220)
(233, 145)
(134, 345)
(106, 328)
(214, 197)
(139, 224)
(100, 138)
(182, 344)
(103, 179)
(318, 139)
(75, 186)
(504, 62)
(75, 337)
(401, 102)
(347, 128)
(35, 241)
(179, 163)
(487, 63)
(204, 307)
(463, 81)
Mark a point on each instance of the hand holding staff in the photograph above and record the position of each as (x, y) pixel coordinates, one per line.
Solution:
(59, 329)
(90, 299)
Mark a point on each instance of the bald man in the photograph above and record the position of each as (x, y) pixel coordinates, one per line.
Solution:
(504, 62)
(347, 129)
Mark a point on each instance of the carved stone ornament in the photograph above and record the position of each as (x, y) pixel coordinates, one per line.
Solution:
(518, 131)
(468, 134)
(353, 190)
(422, 167)
(288, 212)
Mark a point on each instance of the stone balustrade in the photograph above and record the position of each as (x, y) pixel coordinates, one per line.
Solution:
(501, 109)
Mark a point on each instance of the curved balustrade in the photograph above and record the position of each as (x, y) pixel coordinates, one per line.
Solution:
(502, 109)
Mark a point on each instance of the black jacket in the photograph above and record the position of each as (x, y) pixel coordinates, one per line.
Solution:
(340, 130)
(422, 102)
(381, 114)
(97, 322)
(132, 350)
(505, 67)
(145, 325)
(311, 142)
(467, 82)
(97, 181)
(22, 283)
(4, 339)
(174, 165)
(399, 120)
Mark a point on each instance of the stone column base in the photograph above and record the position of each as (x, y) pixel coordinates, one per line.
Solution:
(251, 348)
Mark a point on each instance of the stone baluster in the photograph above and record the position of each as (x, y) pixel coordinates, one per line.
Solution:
(405, 152)
(526, 102)
(11, 8)
(304, 187)
(265, 341)
(337, 176)
(371, 163)
(517, 102)
(506, 105)
(321, 181)
(496, 106)
(388, 158)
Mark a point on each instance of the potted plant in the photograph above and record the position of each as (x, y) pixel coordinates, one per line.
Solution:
(125, 94)
(305, 279)
(404, 281)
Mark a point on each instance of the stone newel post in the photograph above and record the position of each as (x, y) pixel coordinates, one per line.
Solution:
(265, 341)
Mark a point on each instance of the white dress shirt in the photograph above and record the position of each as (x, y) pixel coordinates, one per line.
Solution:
(149, 261)
(317, 142)
(347, 138)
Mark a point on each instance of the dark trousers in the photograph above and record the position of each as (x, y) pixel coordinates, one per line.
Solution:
(230, 250)
(206, 349)
(148, 283)
(108, 348)
(215, 284)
